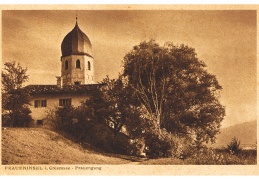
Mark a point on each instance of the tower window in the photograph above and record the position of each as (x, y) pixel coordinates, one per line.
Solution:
(89, 65)
(78, 63)
(66, 65)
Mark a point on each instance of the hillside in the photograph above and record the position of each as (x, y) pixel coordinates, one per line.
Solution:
(245, 132)
(41, 146)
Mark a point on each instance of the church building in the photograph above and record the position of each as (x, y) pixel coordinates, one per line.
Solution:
(75, 82)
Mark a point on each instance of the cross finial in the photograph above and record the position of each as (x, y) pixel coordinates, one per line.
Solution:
(76, 18)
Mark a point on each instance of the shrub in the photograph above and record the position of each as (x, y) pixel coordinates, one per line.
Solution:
(6, 120)
(186, 148)
(208, 156)
(234, 146)
(51, 120)
(22, 117)
(98, 135)
(161, 144)
(18, 118)
(64, 118)
(79, 123)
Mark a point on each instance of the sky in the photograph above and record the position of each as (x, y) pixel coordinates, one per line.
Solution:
(224, 39)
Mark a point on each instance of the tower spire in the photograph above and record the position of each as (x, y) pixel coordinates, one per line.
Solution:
(76, 18)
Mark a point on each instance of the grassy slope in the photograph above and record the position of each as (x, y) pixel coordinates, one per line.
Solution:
(41, 146)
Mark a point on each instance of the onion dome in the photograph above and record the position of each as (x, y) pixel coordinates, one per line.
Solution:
(76, 42)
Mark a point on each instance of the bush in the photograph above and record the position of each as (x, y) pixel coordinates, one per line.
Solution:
(98, 135)
(234, 146)
(6, 120)
(161, 144)
(208, 156)
(122, 144)
(64, 118)
(18, 118)
(79, 123)
(51, 120)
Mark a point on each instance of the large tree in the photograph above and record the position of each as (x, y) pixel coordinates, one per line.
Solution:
(14, 97)
(175, 88)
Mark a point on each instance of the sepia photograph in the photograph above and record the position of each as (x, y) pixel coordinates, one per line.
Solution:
(84, 89)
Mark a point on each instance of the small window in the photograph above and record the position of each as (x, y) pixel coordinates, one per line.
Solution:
(43, 103)
(78, 63)
(89, 65)
(39, 122)
(40, 103)
(66, 65)
(64, 102)
(77, 83)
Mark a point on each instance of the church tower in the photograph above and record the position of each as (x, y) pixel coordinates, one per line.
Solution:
(76, 60)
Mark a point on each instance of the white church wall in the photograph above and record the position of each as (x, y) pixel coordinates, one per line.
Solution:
(89, 72)
(73, 74)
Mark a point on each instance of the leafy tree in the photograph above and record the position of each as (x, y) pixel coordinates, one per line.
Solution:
(13, 76)
(176, 90)
(14, 98)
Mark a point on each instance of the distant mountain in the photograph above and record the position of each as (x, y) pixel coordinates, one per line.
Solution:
(245, 132)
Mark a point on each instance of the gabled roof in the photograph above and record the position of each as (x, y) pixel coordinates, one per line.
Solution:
(50, 89)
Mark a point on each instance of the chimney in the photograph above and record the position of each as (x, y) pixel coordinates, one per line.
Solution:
(59, 82)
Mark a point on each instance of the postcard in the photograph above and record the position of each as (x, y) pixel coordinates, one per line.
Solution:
(129, 90)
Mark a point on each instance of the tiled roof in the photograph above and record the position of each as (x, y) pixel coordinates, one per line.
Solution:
(37, 89)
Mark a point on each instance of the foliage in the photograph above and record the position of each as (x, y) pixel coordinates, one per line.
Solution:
(165, 144)
(72, 120)
(15, 99)
(51, 120)
(100, 135)
(207, 156)
(221, 157)
(113, 105)
(13, 76)
(175, 89)
(234, 146)
(160, 145)
(6, 120)
(79, 123)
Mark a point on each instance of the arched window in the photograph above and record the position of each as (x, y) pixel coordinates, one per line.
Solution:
(89, 65)
(66, 64)
(78, 63)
